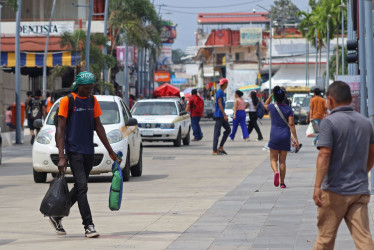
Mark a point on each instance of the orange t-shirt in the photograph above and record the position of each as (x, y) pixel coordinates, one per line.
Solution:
(49, 104)
(64, 106)
(318, 107)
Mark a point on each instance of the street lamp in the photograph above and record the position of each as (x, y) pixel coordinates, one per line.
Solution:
(306, 57)
(271, 45)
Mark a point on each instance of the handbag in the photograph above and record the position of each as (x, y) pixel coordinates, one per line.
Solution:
(293, 141)
(310, 131)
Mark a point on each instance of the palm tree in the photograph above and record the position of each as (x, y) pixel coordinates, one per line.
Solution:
(76, 42)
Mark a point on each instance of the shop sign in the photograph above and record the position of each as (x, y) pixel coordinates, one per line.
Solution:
(162, 77)
(250, 35)
(42, 28)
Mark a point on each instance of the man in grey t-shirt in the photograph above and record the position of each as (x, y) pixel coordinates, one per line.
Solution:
(346, 156)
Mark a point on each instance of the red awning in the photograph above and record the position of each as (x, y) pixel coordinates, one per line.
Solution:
(233, 18)
(167, 90)
(31, 44)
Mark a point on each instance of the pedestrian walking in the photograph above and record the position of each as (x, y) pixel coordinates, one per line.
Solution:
(346, 155)
(239, 116)
(182, 102)
(75, 133)
(8, 118)
(28, 111)
(196, 108)
(282, 125)
(317, 111)
(253, 104)
(36, 110)
(221, 119)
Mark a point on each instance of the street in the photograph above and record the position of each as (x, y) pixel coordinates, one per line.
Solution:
(186, 199)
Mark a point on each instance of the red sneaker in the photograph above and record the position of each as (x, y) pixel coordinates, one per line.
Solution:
(276, 179)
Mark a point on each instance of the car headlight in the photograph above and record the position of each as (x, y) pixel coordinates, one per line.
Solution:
(114, 136)
(167, 125)
(44, 137)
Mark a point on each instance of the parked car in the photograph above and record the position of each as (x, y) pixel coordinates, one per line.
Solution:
(162, 120)
(122, 133)
(297, 99)
(230, 112)
(208, 109)
(301, 111)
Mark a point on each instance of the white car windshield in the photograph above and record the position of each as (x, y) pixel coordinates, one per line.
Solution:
(154, 108)
(109, 109)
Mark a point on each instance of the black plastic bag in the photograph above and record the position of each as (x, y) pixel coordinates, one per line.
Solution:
(56, 201)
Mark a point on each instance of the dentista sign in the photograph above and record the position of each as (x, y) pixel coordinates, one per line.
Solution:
(41, 28)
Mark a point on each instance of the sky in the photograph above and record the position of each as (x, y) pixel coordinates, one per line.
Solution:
(187, 22)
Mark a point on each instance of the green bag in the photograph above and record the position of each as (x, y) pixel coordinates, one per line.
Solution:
(116, 189)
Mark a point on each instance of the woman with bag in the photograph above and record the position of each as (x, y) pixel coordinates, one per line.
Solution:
(282, 125)
(253, 104)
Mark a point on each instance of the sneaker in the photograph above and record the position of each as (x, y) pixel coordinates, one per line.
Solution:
(91, 232)
(214, 153)
(222, 152)
(56, 224)
(276, 179)
(247, 139)
(259, 139)
(283, 185)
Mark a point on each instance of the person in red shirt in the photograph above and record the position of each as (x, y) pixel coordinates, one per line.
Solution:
(196, 108)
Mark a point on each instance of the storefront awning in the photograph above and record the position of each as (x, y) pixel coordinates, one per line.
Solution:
(29, 59)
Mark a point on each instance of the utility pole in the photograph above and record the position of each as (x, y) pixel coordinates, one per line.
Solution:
(1, 7)
(105, 34)
(46, 52)
(352, 67)
(342, 6)
(306, 57)
(88, 37)
(370, 66)
(362, 60)
(316, 69)
(18, 75)
(328, 55)
(126, 74)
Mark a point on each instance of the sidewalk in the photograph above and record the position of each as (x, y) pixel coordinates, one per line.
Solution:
(9, 138)
(256, 215)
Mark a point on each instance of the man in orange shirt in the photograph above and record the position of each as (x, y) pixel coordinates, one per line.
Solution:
(317, 111)
(75, 134)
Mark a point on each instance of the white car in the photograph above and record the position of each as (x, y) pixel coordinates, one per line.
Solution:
(162, 120)
(122, 133)
(230, 112)
(297, 99)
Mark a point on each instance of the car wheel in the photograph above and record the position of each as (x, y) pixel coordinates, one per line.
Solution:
(39, 177)
(178, 141)
(137, 170)
(186, 140)
(126, 169)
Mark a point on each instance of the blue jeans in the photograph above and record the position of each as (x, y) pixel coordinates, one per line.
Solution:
(197, 134)
(220, 122)
(240, 119)
(318, 122)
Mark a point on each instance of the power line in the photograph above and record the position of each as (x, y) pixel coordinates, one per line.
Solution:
(208, 7)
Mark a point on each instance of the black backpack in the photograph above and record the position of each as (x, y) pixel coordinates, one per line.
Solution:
(70, 109)
(36, 108)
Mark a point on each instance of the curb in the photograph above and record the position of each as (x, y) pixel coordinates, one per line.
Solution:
(9, 138)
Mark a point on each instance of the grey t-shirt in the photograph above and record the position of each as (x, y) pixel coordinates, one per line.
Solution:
(349, 134)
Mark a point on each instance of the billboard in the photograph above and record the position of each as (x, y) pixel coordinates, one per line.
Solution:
(164, 59)
(162, 77)
(41, 28)
(355, 84)
(250, 35)
(121, 55)
(168, 31)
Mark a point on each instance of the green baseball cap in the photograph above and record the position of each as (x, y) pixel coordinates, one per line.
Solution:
(84, 77)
